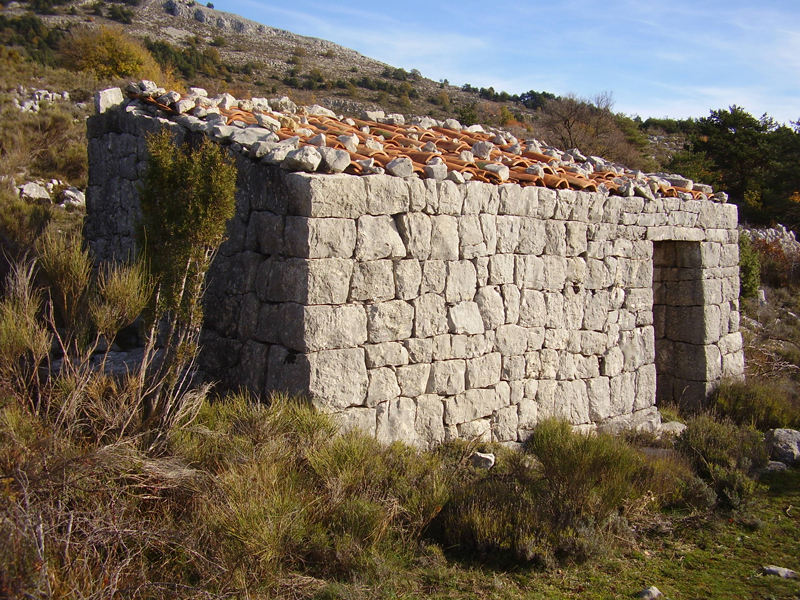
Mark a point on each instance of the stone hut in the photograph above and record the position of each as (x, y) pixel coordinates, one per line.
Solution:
(463, 296)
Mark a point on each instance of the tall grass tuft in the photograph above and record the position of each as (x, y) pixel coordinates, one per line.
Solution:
(24, 339)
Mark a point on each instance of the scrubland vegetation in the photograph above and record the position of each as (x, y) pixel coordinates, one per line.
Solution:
(146, 486)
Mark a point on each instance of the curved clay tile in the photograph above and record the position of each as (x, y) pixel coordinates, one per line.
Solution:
(539, 156)
(452, 146)
(581, 184)
(695, 194)
(420, 157)
(525, 179)
(669, 192)
(554, 181)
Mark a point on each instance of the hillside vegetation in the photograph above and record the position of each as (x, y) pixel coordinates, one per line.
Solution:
(147, 487)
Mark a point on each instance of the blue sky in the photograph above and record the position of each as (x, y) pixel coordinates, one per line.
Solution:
(676, 58)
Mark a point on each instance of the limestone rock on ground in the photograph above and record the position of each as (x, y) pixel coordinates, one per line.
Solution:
(784, 445)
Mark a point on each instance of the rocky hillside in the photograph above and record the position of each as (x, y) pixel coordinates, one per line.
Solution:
(275, 61)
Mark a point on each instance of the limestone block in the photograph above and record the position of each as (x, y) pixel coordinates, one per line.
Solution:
(533, 236)
(697, 363)
(513, 368)
(551, 400)
(645, 387)
(407, 277)
(430, 316)
(595, 310)
(327, 386)
(556, 338)
(478, 430)
(336, 195)
(396, 420)
(639, 299)
(511, 303)
(451, 198)
(490, 305)
(556, 240)
(501, 269)
(508, 233)
(730, 343)
(511, 340)
(386, 354)
(586, 367)
(465, 318)
(429, 423)
(733, 365)
(389, 321)
(554, 317)
(532, 309)
(444, 238)
(413, 379)
(693, 324)
(547, 203)
(489, 230)
(320, 238)
(419, 350)
(382, 386)
(477, 197)
(419, 193)
(265, 233)
(483, 371)
(575, 238)
(481, 270)
(613, 362)
(527, 414)
(529, 272)
(358, 419)
(447, 377)
(442, 347)
(312, 328)
(710, 254)
(386, 195)
(729, 256)
(434, 276)
(378, 237)
(504, 425)
(555, 272)
(310, 281)
(415, 229)
(461, 281)
(373, 280)
(623, 393)
(598, 391)
(470, 405)
(471, 237)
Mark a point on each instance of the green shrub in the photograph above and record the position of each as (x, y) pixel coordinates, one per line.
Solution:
(749, 267)
(761, 403)
(724, 454)
(555, 501)
(110, 53)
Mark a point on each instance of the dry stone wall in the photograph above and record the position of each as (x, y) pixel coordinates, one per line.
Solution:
(423, 311)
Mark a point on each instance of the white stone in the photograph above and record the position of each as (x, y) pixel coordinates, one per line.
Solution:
(306, 158)
(389, 321)
(470, 405)
(334, 160)
(444, 238)
(108, 99)
(429, 424)
(511, 340)
(461, 281)
(465, 318)
(382, 386)
(386, 354)
(400, 167)
(413, 379)
(407, 277)
(326, 384)
(447, 377)
(396, 421)
(430, 316)
(378, 237)
(373, 281)
(484, 371)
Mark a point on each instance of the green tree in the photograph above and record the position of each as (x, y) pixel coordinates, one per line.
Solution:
(738, 145)
(187, 199)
